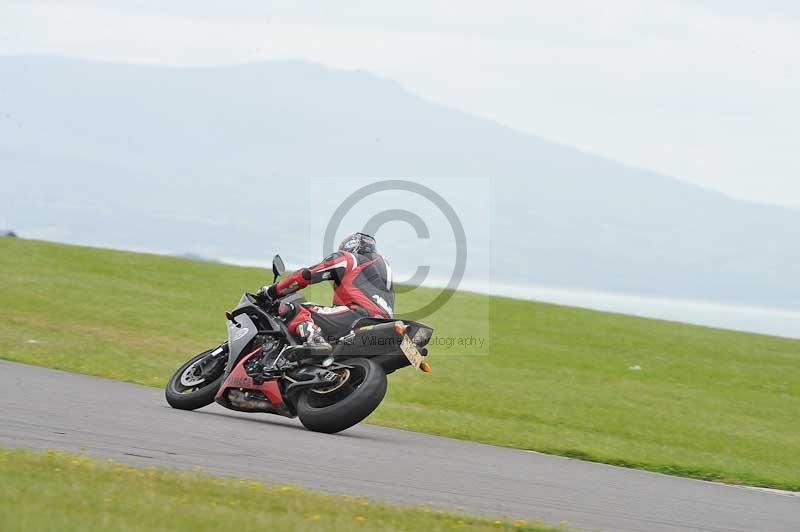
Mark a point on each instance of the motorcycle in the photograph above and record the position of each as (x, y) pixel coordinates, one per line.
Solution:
(329, 393)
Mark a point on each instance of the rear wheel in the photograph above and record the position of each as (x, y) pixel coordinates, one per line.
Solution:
(338, 407)
(189, 388)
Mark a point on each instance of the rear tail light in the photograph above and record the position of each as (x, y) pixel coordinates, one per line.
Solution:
(423, 336)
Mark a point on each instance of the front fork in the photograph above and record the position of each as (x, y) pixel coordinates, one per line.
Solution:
(211, 365)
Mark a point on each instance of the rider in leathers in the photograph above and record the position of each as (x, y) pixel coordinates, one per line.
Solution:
(362, 288)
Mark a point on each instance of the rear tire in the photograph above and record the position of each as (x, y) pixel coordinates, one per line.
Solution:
(370, 389)
(179, 397)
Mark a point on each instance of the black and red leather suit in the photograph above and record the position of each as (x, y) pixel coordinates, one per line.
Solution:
(362, 288)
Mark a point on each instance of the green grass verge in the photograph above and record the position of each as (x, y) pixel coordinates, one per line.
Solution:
(59, 491)
(707, 403)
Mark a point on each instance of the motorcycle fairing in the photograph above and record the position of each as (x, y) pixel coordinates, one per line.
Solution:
(241, 332)
(240, 380)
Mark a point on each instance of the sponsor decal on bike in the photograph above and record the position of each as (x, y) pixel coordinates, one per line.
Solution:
(239, 334)
(240, 381)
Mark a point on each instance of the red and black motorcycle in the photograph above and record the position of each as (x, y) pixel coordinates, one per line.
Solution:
(328, 393)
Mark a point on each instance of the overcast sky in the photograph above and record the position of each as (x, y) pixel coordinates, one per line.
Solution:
(704, 90)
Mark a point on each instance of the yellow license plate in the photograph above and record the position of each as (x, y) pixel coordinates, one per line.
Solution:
(411, 352)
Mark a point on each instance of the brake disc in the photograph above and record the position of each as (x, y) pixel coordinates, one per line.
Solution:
(344, 376)
(193, 375)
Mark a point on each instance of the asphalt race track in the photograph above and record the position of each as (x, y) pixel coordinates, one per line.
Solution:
(48, 409)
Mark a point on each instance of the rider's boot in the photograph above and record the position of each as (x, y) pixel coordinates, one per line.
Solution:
(315, 344)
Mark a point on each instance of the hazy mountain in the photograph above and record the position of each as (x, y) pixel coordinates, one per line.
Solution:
(212, 160)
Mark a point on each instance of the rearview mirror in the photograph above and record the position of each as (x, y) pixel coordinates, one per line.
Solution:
(278, 268)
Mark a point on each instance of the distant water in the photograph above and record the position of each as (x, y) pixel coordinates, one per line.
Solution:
(760, 320)
(775, 322)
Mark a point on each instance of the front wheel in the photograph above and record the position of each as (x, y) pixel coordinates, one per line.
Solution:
(190, 388)
(356, 395)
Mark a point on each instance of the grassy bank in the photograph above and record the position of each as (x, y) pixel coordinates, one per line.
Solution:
(59, 491)
(704, 403)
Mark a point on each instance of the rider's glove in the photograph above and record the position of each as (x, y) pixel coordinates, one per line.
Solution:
(267, 293)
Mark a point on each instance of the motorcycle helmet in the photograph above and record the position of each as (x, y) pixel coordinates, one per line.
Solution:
(358, 243)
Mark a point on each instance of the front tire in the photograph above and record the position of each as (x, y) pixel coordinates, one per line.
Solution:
(187, 397)
(348, 405)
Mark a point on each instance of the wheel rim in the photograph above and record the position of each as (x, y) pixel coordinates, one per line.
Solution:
(352, 381)
(193, 376)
